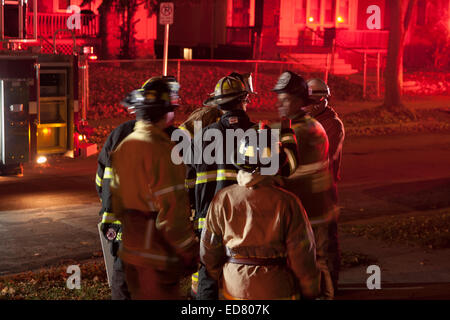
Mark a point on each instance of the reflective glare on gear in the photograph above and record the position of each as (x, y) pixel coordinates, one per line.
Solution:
(41, 160)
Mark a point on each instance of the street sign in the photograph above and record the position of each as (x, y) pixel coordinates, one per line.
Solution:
(166, 13)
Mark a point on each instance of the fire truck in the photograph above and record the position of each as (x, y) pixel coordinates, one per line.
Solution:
(43, 97)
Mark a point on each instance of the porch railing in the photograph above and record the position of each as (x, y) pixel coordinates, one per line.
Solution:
(362, 38)
(48, 23)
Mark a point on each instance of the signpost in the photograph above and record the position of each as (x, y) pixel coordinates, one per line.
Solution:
(166, 10)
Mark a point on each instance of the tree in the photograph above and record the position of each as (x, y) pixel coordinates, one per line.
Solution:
(399, 24)
(126, 11)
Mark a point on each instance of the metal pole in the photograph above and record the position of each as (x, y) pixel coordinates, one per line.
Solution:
(37, 66)
(365, 75)
(327, 68)
(256, 76)
(166, 49)
(20, 19)
(378, 74)
(86, 88)
(178, 70)
(35, 34)
(260, 45)
(2, 19)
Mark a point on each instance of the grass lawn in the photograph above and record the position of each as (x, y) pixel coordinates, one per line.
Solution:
(431, 230)
(50, 284)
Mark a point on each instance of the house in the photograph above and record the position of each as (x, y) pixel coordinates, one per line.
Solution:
(56, 17)
(246, 29)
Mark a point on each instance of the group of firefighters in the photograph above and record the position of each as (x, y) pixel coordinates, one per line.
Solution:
(237, 233)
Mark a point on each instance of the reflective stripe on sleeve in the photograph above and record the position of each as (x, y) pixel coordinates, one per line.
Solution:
(109, 217)
(219, 175)
(169, 189)
(311, 168)
(326, 218)
(189, 183)
(288, 138)
(185, 242)
(108, 173)
(98, 180)
(200, 223)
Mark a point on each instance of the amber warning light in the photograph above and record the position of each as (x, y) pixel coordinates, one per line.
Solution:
(41, 160)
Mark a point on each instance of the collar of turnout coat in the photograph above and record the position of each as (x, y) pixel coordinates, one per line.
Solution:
(248, 180)
(152, 130)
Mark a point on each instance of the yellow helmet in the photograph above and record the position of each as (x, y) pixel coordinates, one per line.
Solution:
(227, 89)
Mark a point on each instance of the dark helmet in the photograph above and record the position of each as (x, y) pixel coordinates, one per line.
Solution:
(254, 154)
(319, 92)
(292, 83)
(229, 88)
(318, 89)
(171, 81)
(158, 96)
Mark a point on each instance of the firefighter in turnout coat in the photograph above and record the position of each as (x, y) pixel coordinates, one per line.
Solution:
(149, 198)
(312, 181)
(257, 239)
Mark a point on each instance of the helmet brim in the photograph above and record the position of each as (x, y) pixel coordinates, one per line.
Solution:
(218, 100)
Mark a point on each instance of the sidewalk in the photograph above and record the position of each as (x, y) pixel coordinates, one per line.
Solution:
(35, 238)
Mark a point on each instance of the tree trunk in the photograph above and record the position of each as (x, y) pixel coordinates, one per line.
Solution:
(393, 79)
(394, 67)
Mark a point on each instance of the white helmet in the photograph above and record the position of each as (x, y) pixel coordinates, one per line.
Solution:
(317, 90)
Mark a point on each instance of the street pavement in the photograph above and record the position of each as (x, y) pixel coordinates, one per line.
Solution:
(49, 215)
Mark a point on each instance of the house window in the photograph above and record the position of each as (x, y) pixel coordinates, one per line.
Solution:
(314, 11)
(300, 12)
(241, 13)
(330, 11)
(343, 15)
(60, 5)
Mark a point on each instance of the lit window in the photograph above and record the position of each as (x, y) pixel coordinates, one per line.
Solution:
(330, 10)
(300, 12)
(343, 11)
(314, 11)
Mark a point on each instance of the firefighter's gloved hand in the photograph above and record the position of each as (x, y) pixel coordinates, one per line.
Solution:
(110, 230)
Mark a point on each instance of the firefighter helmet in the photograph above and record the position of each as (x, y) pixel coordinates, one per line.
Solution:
(317, 89)
(292, 83)
(171, 81)
(228, 88)
(156, 97)
(318, 97)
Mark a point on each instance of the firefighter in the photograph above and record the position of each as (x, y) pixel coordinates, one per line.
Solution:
(257, 239)
(158, 244)
(110, 226)
(319, 94)
(312, 181)
(231, 97)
